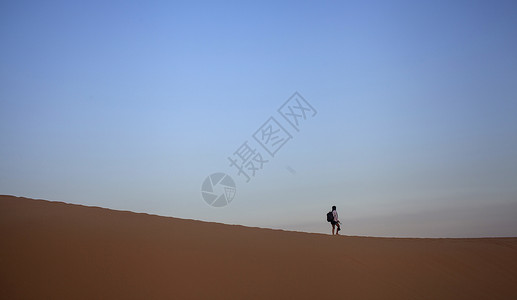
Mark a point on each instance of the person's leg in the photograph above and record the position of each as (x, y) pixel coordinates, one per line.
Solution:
(333, 226)
(338, 228)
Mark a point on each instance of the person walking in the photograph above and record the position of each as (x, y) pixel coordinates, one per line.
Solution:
(335, 221)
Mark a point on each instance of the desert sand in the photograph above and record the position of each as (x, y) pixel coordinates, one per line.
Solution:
(54, 250)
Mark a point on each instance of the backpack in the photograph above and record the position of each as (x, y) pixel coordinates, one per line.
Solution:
(330, 216)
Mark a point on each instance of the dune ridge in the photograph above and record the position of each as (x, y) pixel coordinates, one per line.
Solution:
(54, 250)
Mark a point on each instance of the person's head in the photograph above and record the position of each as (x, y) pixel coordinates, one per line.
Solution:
(333, 207)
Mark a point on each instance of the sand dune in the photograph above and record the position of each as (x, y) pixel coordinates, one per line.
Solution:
(53, 250)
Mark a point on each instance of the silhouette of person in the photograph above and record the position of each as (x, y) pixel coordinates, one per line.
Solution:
(335, 221)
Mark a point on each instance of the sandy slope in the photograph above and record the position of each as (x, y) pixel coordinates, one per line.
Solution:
(53, 250)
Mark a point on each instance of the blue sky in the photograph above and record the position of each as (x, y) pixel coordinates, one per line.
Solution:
(130, 105)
